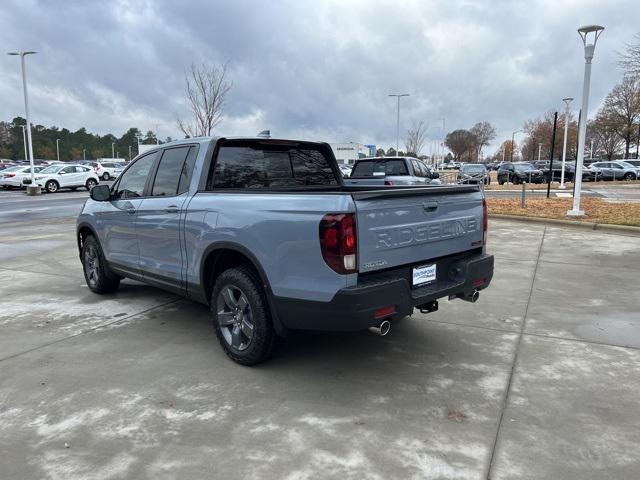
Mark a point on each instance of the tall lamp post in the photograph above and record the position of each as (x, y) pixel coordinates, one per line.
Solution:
(539, 151)
(589, 48)
(113, 151)
(513, 139)
(398, 95)
(32, 189)
(567, 101)
(58, 149)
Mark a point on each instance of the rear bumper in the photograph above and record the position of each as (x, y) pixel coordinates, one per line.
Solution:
(353, 308)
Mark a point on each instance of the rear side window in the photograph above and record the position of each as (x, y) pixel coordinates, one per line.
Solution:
(170, 172)
(272, 166)
(369, 168)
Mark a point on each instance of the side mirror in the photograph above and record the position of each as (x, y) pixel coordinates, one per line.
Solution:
(435, 175)
(60, 172)
(100, 193)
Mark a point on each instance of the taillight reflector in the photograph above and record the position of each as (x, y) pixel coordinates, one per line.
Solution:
(384, 312)
(338, 242)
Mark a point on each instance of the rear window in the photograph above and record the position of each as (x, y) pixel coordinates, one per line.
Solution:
(369, 168)
(170, 172)
(271, 166)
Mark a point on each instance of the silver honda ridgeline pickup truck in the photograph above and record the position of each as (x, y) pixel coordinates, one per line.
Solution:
(270, 236)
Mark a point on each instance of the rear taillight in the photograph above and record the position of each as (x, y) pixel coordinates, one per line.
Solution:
(485, 221)
(9, 175)
(338, 242)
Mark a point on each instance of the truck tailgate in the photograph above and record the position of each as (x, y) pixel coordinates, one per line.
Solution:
(400, 226)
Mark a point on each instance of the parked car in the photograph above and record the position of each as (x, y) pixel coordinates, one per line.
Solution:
(269, 236)
(635, 163)
(111, 170)
(55, 177)
(617, 170)
(519, 172)
(12, 177)
(4, 166)
(345, 170)
(97, 166)
(392, 171)
(474, 173)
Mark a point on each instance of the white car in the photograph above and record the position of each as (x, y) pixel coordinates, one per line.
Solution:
(111, 170)
(12, 177)
(55, 177)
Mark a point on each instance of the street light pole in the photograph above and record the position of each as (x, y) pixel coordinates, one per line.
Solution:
(566, 101)
(129, 152)
(32, 189)
(398, 95)
(113, 155)
(513, 138)
(84, 154)
(539, 150)
(58, 149)
(582, 129)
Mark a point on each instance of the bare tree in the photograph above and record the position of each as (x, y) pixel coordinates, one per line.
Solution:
(207, 89)
(459, 142)
(604, 130)
(484, 133)
(416, 137)
(630, 59)
(622, 106)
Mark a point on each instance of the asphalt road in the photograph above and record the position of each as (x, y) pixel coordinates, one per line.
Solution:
(537, 380)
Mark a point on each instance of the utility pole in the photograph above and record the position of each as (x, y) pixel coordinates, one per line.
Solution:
(539, 150)
(398, 95)
(156, 125)
(58, 149)
(513, 137)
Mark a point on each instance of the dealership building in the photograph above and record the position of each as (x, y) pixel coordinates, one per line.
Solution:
(348, 153)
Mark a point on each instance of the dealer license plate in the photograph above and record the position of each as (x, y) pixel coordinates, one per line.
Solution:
(424, 274)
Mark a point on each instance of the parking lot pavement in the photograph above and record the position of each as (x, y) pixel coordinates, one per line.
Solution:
(538, 379)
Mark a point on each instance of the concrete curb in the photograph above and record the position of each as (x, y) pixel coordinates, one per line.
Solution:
(603, 227)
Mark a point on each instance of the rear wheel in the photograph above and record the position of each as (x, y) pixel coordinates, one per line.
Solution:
(96, 271)
(241, 317)
(51, 186)
(629, 176)
(106, 176)
(90, 184)
(500, 181)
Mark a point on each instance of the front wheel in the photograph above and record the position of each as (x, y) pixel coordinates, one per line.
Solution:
(500, 181)
(241, 317)
(51, 186)
(629, 176)
(90, 184)
(106, 176)
(96, 271)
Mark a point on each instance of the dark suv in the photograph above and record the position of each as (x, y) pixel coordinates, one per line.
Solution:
(519, 172)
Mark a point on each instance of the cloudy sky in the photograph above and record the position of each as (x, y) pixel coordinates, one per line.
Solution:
(308, 69)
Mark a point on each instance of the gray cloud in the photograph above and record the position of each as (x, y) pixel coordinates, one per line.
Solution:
(307, 69)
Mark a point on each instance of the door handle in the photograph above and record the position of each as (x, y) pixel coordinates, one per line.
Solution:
(171, 209)
(131, 211)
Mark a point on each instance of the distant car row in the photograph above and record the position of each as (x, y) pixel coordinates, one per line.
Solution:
(51, 178)
(104, 170)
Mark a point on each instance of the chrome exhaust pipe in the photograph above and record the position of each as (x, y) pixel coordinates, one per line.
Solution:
(382, 329)
(473, 298)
